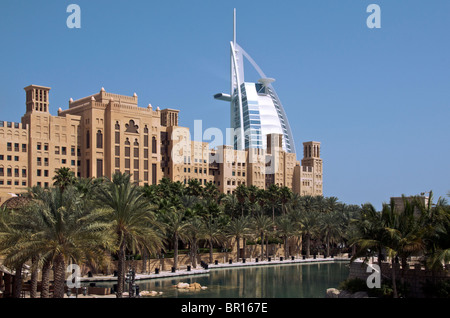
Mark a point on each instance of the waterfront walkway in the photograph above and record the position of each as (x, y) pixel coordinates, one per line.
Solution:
(201, 271)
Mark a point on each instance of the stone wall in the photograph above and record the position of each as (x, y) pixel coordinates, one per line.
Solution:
(415, 275)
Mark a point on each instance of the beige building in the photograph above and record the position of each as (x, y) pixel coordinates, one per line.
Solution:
(103, 133)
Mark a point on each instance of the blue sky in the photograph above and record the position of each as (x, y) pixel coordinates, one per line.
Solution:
(377, 99)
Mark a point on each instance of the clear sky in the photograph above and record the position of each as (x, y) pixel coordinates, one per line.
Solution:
(377, 99)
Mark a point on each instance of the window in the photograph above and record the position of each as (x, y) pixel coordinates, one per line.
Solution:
(154, 173)
(38, 172)
(9, 146)
(99, 139)
(88, 140)
(16, 158)
(72, 150)
(153, 144)
(131, 127)
(16, 147)
(99, 168)
(88, 168)
(56, 150)
(117, 150)
(38, 146)
(24, 173)
(46, 147)
(63, 151)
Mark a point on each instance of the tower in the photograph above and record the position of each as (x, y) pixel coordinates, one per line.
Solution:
(255, 109)
(311, 156)
(37, 98)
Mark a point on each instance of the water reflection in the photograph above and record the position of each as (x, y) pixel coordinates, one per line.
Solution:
(275, 281)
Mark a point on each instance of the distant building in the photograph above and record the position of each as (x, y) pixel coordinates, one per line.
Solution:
(399, 202)
(104, 133)
(255, 109)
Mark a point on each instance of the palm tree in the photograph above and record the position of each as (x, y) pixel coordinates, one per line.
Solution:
(63, 178)
(132, 220)
(242, 194)
(285, 228)
(253, 197)
(57, 228)
(308, 221)
(273, 198)
(330, 225)
(195, 232)
(211, 192)
(176, 227)
(213, 233)
(371, 229)
(194, 188)
(238, 228)
(231, 205)
(285, 195)
(262, 225)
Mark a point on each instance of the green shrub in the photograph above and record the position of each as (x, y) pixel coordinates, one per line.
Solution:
(439, 289)
(353, 285)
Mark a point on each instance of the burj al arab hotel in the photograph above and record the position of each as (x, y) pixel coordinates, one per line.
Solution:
(255, 108)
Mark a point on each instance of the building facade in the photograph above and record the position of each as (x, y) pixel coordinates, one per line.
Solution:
(105, 133)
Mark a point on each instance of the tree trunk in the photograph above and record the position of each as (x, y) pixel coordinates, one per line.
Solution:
(45, 284)
(144, 262)
(34, 278)
(237, 248)
(194, 253)
(394, 283)
(286, 247)
(121, 271)
(328, 246)
(59, 276)
(175, 251)
(244, 245)
(17, 283)
(308, 245)
(210, 251)
(262, 246)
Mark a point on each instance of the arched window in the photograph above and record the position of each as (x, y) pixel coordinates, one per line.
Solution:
(154, 144)
(99, 139)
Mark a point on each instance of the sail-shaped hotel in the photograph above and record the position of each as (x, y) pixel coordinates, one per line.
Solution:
(255, 109)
